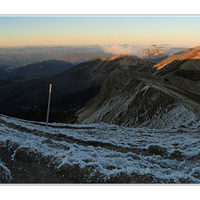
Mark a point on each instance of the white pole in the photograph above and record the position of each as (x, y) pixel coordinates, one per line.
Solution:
(49, 101)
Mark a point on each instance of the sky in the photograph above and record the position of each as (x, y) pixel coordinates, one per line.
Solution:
(101, 30)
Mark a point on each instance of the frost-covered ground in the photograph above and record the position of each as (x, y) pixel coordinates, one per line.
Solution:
(102, 152)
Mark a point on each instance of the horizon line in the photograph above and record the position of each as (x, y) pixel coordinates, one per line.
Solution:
(77, 45)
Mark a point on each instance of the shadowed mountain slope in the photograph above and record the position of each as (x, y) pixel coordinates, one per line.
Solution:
(71, 89)
(3, 74)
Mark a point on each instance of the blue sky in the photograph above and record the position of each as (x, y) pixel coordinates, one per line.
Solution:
(21, 31)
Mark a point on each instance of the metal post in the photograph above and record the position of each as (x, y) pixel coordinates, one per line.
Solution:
(49, 101)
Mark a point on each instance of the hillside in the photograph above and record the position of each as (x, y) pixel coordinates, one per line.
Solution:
(133, 99)
(185, 64)
(71, 89)
(39, 69)
(188, 54)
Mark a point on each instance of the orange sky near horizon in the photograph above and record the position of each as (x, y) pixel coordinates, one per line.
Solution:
(22, 31)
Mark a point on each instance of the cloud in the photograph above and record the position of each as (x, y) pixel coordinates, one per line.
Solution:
(120, 49)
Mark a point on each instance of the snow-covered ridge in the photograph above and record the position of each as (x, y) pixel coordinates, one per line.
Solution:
(168, 155)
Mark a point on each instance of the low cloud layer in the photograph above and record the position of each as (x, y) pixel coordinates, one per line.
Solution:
(117, 49)
(122, 49)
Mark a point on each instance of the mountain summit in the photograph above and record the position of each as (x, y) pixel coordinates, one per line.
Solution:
(152, 53)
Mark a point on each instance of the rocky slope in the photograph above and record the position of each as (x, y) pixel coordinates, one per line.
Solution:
(185, 64)
(134, 99)
(188, 54)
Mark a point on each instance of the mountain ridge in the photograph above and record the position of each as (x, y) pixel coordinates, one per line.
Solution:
(71, 88)
(191, 53)
(132, 98)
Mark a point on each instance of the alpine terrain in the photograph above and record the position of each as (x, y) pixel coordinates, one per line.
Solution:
(159, 100)
(140, 125)
(71, 88)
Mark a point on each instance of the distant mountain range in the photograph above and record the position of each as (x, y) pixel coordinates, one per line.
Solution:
(39, 69)
(153, 53)
(83, 57)
(11, 57)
